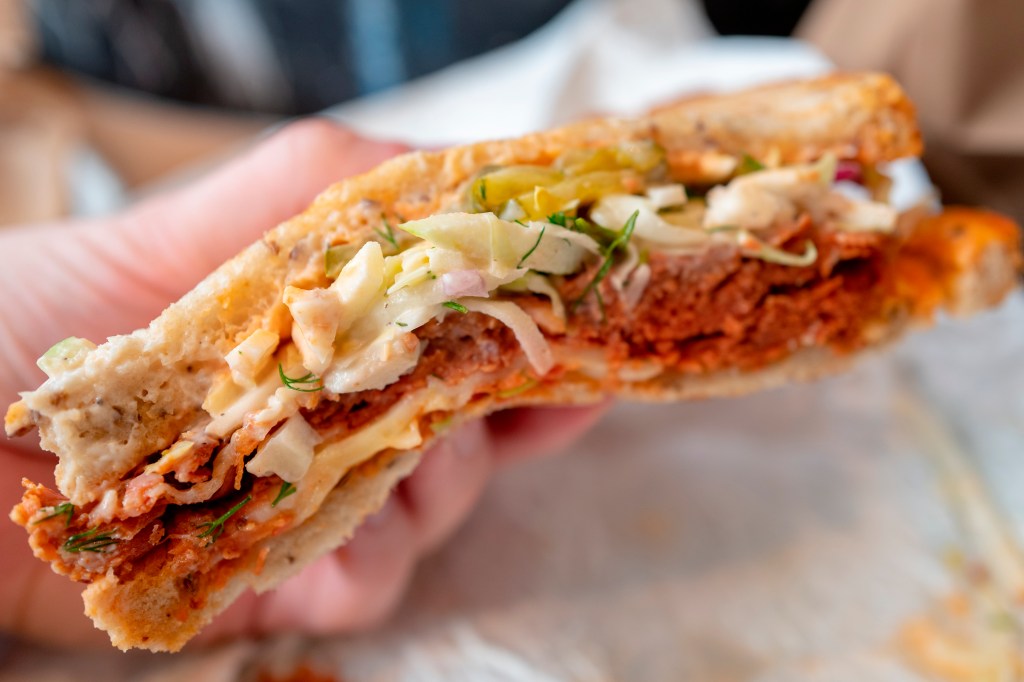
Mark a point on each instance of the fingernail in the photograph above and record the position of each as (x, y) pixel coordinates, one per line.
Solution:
(470, 440)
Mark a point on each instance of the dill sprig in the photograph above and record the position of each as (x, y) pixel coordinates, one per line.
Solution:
(215, 528)
(601, 235)
(456, 306)
(532, 248)
(558, 218)
(287, 489)
(91, 540)
(609, 258)
(65, 509)
(748, 164)
(388, 233)
(296, 383)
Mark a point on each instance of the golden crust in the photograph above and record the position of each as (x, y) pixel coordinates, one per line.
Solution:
(172, 362)
(864, 117)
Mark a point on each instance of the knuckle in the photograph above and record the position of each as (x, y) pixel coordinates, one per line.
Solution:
(315, 133)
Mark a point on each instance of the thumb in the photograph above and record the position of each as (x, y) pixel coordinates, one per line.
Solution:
(185, 234)
(105, 276)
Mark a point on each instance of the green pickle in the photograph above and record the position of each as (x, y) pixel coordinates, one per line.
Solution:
(491, 190)
(567, 195)
(579, 176)
(642, 156)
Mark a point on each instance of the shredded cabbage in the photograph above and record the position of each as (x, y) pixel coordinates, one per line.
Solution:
(65, 355)
(758, 199)
(249, 357)
(539, 284)
(535, 347)
(376, 365)
(666, 196)
(752, 247)
(359, 284)
(316, 314)
(616, 210)
(488, 241)
(228, 403)
(288, 452)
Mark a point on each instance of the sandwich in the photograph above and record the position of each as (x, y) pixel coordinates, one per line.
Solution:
(714, 247)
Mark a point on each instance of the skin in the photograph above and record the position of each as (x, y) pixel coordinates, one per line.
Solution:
(100, 277)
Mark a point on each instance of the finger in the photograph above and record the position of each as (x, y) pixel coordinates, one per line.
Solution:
(447, 483)
(362, 582)
(194, 229)
(123, 271)
(38, 604)
(538, 431)
(351, 589)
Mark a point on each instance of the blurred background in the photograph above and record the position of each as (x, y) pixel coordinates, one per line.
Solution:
(103, 99)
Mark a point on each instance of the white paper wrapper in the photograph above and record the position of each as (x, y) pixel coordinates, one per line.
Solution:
(785, 536)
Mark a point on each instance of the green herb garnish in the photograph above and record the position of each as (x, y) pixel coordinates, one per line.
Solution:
(388, 233)
(557, 218)
(748, 164)
(286, 490)
(483, 189)
(456, 306)
(609, 258)
(296, 383)
(215, 528)
(65, 509)
(534, 247)
(90, 541)
(401, 324)
(601, 235)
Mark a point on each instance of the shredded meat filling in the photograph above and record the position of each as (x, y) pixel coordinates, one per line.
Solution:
(717, 310)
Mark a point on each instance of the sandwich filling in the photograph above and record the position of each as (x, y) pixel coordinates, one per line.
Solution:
(598, 267)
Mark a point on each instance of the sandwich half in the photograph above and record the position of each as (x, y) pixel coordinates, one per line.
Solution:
(718, 246)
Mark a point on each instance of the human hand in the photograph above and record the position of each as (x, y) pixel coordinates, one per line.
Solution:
(99, 277)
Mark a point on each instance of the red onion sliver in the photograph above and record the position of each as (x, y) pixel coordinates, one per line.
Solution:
(850, 170)
(634, 289)
(463, 283)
